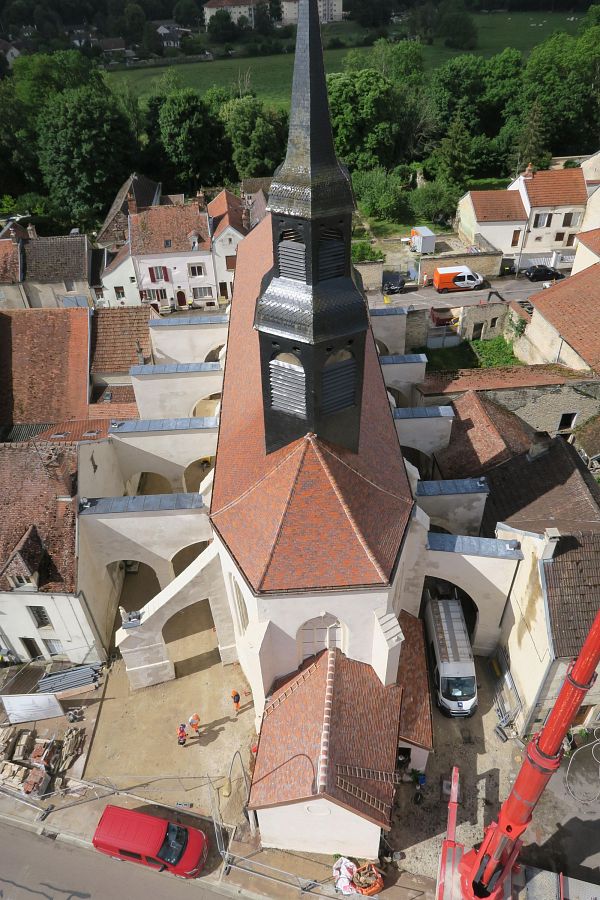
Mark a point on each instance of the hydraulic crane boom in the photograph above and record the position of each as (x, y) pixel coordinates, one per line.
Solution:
(483, 872)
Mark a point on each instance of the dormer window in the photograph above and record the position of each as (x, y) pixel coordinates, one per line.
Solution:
(19, 581)
(167, 244)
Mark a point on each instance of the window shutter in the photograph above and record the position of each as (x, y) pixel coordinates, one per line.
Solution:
(549, 220)
(152, 275)
(165, 273)
(339, 386)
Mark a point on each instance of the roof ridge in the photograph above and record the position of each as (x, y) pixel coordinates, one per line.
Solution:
(326, 449)
(256, 484)
(303, 447)
(326, 731)
(344, 505)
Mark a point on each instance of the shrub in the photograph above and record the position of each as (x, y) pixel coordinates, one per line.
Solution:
(362, 251)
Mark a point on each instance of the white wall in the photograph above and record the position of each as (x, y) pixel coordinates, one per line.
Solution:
(584, 258)
(403, 376)
(121, 276)
(225, 245)
(499, 234)
(160, 396)
(185, 343)
(178, 272)
(166, 452)
(318, 826)
(541, 343)
(390, 330)
(591, 218)
(407, 587)
(98, 470)
(425, 434)
(457, 513)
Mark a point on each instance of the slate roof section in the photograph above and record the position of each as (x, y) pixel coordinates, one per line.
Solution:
(591, 240)
(10, 262)
(226, 211)
(557, 187)
(290, 746)
(33, 478)
(571, 306)
(483, 435)
(144, 191)
(573, 590)
(309, 515)
(416, 725)
(43, 365)
(151, 228)
(116, 336)
(497, 379)
(555, 490)
(49, 259)
(498, 206)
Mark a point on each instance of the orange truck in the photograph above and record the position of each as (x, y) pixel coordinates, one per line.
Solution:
(456, 278)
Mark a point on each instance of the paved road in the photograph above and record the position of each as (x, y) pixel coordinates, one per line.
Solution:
(38, 868)
(507, 288)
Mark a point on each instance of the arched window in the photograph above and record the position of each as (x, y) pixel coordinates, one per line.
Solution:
(332, 255)
(338, 382)
(292, 255)
(321, 633)
(287, 381)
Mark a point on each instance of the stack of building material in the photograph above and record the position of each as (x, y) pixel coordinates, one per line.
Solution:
(8, 739)
(68, 679)
(36, 783)
(73, 741)
(25, 742)
(12, 775)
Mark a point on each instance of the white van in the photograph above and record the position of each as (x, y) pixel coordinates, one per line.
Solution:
(454, 679)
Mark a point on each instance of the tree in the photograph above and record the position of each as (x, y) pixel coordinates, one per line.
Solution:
(435, 201)
(257, 135)
(275, 10)
(216, 97)
(383, 194)
(456, 26)
(39, 75)
(461, 80)
(364, 117)
(591, 18)
(19, 163)
(151, 42)
(373, 13)
(262, 19)
(533, 141)
(85, 150)
(453, 160)
(187, 13)
(422, 22)
(221, 27)
(193, 140)
(134, 19)
(399, 61)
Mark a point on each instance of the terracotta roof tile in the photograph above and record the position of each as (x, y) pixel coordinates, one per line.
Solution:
(226, 210)
(554, 490)
(74, 431)
(114, 227)
(498, 206)
(116, 336)
(33, 477)
(153, 227)
(572, 307)
(309, 515)
(290, 745)
(557, 187)
(573, 590)
(43, 365)
(483, 434)
(416, 725)
(591, 240)
(10, 264)
(496, 378)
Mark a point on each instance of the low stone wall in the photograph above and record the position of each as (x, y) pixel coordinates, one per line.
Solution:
(487, 264)
(371, 274)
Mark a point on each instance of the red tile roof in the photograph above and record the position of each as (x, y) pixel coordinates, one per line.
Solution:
(557, 187)
(498, 206)
(152, 227)
(416, 724)
(116, 336)
(226, 210)
(591, 240)
(73, 432)
(310, 515)
(483, 434)
(33, 478)
(296, 760)
(572, 307)
(518, 309)
(43, 365)
(494, 379)
(10, 264)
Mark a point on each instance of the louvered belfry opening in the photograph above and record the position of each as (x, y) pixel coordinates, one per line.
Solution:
(288, 385)
(332, 254)
(291, 255)
(339, 379)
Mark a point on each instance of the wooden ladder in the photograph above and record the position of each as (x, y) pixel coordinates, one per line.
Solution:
(367, 798)
(370, 774)
(290, 689)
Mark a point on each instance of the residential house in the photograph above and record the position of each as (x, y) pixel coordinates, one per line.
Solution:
(178, 255)
(565, 324)
(134, 195)
(44, 271)
(329, 11)
(255, 194)
(120, 339)
(44, 614)
(9, 51)
(588, 250)
(113, 48)
(541, 228)
(235, 8)
(81, 37)
(170, 33)
(548, 501)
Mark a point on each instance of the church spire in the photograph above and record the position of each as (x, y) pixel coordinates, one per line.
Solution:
(311, 318)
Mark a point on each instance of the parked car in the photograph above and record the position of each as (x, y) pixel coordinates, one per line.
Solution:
(151, 841)
(543, 273)
(394, 287)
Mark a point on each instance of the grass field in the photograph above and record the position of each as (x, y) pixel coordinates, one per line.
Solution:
(471, 355)
(271, 76)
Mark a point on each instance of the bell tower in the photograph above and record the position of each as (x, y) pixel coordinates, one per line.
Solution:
(311, 317)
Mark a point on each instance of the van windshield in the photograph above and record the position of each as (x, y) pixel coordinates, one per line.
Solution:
(174, 844)
(458, 688)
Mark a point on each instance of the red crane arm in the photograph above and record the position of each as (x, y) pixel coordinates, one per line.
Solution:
(483, 871)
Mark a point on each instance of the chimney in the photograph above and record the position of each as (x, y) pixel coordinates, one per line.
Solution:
(139, 353)
(552, 537)
(246, 219)
(131, 203)
(528, 173)
(540, 444)
(31, 231)
(13, 235)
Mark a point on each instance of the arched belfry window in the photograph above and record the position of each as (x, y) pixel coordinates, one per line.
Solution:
(338, 382)
(332, 254)
(287, 380)
(292, 255)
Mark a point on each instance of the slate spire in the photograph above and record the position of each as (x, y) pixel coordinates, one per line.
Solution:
(311, 317)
